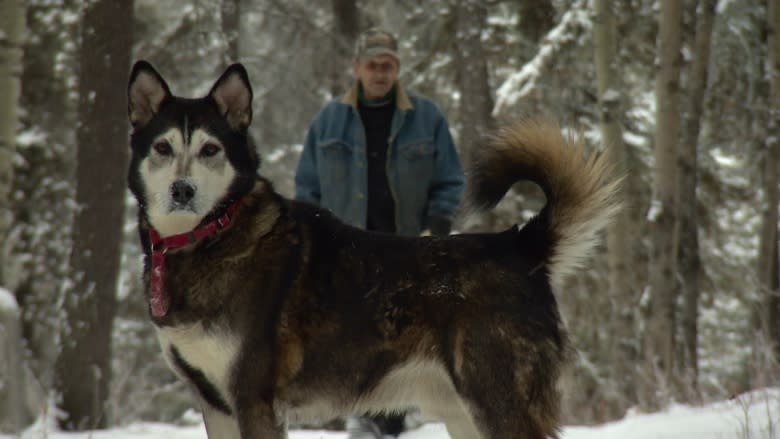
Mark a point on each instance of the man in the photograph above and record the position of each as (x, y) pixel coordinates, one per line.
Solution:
(381, 158)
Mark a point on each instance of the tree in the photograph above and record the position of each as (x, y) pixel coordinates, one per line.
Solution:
(43, 176)
(230, 14)
(622, 290)
(11, 387)
(537, 17)
(476, 102)
(769, 303)
(346, 24)
(83, 370)
(660, 329)
(11, 33)
(689, 262)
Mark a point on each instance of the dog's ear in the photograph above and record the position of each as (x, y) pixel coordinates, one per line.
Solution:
(233, 96)
(146, 92)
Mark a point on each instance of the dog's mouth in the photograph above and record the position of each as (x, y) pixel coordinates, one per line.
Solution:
(181, 208)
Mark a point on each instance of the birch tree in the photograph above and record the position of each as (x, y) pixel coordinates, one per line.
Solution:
(11, 376)
(11, 33)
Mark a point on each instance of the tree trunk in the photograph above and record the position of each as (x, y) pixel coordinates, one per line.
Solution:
(11, 37)
(44, 177)
(537, 17)
(476, 102)
(346, 17)
(12, 415)
(230, 11)
(769, 314)
(620, 258)
(688, 253)
(661, 327)
(12, 406)
(83, 371)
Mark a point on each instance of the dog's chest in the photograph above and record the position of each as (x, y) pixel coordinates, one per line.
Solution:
(211, 353)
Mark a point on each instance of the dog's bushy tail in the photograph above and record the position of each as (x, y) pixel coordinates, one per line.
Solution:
(581, 199)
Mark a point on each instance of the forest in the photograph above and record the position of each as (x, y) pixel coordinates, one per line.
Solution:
(681, 303)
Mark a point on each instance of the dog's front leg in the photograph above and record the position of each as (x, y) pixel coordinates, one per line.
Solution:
(218, 424)
(258, 420)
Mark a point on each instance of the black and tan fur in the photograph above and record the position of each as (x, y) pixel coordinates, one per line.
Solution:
(288, 314)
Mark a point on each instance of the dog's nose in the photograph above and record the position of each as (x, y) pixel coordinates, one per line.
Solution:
(182, 192)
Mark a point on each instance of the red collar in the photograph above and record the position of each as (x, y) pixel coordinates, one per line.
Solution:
(158, 302)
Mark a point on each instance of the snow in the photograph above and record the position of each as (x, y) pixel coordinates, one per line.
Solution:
(8, 301)
(725, 159)
(656, 208)
(634, 139)
(611, 95)
(754, 415)
(31, 137)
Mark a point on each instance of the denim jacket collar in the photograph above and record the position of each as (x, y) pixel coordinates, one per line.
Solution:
(401, 98)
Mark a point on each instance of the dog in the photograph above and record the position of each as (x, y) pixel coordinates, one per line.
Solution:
(274, 311)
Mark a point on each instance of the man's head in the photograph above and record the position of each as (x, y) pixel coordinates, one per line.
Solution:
(376, 64)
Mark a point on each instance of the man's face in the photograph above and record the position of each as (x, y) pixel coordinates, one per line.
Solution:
(377, 74)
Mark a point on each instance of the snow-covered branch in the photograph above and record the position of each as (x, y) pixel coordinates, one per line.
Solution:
(573, 23)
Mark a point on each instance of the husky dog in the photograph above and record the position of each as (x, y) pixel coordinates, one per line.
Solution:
(275, 311)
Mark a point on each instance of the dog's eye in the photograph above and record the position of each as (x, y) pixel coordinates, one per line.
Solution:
(209, 150)
(163, 148)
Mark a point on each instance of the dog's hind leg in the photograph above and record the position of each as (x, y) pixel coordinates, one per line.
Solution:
(218, 424)
(258, 420)
(494, 423)
(507, 383)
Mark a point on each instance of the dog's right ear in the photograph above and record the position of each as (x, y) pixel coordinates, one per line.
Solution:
(146, 93)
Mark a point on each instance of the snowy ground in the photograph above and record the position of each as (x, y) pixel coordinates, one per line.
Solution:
(751, 416)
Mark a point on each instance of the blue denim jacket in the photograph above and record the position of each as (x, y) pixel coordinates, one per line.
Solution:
(424, 172)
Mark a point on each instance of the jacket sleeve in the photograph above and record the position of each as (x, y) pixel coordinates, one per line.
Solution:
(446, 188)
(307, 182)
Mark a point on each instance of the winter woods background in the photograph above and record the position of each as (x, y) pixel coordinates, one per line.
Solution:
(681, 304)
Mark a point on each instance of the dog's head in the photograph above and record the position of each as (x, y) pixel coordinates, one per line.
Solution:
(190, 157)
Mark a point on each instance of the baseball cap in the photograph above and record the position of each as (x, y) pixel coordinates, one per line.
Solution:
(375, 42)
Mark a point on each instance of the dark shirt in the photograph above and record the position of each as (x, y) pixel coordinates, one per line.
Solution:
(377, 120)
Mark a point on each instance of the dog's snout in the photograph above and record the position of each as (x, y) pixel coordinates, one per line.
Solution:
(182, 192)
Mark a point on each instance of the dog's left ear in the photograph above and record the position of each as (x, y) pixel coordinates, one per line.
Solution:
(233, 96)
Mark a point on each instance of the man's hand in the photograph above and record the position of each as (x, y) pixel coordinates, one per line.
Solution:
(437, 226)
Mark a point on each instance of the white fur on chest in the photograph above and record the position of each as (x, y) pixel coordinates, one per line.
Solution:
(211, 352)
